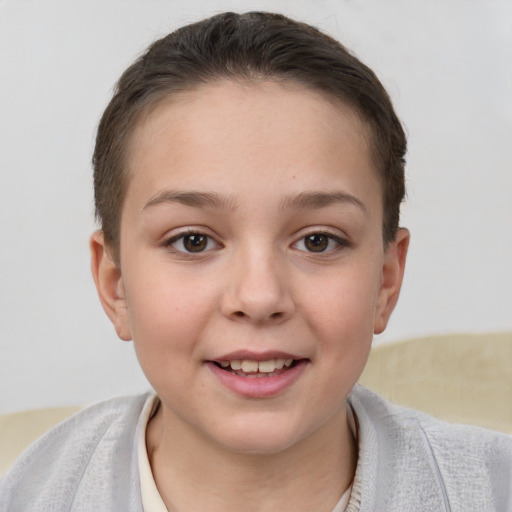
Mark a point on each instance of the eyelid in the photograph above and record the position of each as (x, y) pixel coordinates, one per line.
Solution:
(181, 234)
(341, 240)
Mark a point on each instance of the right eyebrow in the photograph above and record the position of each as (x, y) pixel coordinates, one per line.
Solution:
(192, 198)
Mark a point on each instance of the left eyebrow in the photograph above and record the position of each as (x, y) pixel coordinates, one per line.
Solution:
(192, 198)
(315, 200)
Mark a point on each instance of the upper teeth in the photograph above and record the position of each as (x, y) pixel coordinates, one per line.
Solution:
(250, 366)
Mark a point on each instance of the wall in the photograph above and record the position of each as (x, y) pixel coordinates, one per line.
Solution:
(448, 67)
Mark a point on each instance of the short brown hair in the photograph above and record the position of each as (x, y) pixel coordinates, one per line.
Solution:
(250, 46)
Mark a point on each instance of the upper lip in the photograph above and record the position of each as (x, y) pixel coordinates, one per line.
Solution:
(248, 355)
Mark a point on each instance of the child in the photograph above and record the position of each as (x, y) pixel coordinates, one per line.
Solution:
(248, 181)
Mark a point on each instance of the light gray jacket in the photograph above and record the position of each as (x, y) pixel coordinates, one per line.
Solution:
(407, 462)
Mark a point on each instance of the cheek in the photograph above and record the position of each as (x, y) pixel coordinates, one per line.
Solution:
(341, 310)
(166, 315)
(344, 297)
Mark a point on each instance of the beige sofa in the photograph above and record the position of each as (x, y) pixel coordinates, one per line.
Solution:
(462, 378)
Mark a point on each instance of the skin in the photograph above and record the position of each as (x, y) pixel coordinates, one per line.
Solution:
(257, 286)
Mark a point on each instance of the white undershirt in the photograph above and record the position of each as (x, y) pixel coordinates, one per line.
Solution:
(151, 499)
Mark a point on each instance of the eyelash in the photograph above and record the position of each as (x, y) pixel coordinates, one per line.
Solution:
(340, 242)
(170, 243)
(330, 238)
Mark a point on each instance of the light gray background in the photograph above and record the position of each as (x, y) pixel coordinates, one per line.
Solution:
(447, 65)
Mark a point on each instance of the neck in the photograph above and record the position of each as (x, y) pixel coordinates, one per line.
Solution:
(192, 473)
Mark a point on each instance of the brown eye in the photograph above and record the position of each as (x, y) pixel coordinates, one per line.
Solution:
(195, 243)
(316, 242)
(189, 243)
(321, 242)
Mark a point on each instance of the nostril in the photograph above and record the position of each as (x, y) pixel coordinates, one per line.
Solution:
(273, 316)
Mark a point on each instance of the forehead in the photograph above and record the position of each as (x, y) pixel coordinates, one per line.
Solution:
(248, 133)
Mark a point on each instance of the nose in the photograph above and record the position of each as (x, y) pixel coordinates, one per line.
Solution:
(258, 289)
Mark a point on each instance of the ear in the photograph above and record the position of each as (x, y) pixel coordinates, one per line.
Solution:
(392, 276)
(109, 284)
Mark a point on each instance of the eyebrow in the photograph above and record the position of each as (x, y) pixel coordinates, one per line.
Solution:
(316, 200)
(301, 201)
(192, 198)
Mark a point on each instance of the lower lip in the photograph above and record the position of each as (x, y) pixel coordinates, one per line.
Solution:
(258, 387)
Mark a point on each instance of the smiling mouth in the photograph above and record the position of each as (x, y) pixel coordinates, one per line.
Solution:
(257, 369)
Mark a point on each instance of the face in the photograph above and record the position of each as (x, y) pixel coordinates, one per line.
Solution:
(252, 268)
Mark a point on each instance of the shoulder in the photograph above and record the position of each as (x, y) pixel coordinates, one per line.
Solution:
(443, 436)
(456, 466)
(87, 449)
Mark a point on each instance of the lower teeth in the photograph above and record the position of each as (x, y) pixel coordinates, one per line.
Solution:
(255, 375)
